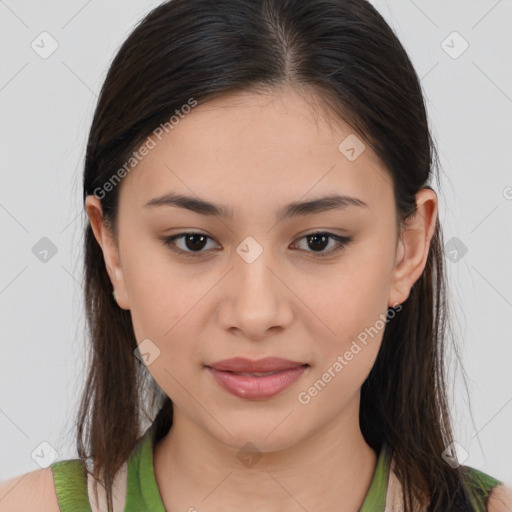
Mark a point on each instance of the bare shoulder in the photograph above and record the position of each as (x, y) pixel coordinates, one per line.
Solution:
(28, 492)
(500, 499)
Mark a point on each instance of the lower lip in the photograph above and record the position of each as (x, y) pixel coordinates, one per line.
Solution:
(257, 387)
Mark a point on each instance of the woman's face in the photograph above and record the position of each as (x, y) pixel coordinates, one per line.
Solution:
(257, 285)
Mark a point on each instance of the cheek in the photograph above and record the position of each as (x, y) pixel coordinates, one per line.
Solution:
(353, 301)
(353, 306)
(165, 314)
(159, 295)
(166, 307)
(357, 315)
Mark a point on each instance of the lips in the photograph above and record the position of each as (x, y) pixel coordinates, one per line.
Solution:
(256, 380)
(242, 365)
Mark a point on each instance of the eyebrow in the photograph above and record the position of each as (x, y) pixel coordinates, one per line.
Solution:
(203, 207)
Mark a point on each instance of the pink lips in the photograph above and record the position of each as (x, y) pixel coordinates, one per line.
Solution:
(234, 376)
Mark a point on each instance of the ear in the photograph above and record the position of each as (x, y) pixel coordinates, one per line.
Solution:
(413, 247)
(110, 249)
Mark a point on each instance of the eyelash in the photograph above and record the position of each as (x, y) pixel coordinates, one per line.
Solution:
(342, 242)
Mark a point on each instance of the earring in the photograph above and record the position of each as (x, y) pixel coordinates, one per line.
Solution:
(114, 295)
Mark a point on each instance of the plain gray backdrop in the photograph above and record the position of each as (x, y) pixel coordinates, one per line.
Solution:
(462, 52)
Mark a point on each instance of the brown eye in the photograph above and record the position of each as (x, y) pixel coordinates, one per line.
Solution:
(318, 241)
(192, 243)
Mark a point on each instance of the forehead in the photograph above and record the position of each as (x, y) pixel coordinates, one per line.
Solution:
(267, 146)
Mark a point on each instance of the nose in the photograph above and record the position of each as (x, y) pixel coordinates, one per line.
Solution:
(256, 300)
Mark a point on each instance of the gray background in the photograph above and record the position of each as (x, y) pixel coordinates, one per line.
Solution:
(46, 109)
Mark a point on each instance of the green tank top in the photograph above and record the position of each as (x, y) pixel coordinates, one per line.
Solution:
(142, 493)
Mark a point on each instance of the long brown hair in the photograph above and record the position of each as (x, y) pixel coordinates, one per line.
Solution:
(347, 53)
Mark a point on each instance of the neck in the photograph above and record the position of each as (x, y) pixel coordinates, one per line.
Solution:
(330, 467)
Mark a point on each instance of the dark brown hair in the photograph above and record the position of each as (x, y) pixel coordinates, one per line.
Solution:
(344, 51)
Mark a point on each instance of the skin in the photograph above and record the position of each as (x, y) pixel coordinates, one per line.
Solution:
(255, 153)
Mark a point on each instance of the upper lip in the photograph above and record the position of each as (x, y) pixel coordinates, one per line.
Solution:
(267, 364)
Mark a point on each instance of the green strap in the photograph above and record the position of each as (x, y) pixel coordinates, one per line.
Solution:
(482, 480)
(481, 483)
(71, 485)
(375, 500)
(142, 491)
